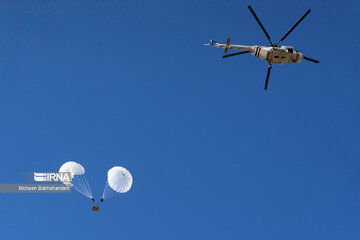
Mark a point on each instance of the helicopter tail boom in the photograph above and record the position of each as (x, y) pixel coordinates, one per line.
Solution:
(228, 46)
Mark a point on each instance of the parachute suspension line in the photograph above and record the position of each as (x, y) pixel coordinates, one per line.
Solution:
(88, 186)
(108, 192)
(78, 185)
(84, 185)
(81, 184)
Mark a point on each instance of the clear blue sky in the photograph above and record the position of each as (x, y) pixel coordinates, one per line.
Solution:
(213, 155)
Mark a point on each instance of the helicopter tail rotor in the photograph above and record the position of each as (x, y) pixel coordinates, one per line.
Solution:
(227, 46)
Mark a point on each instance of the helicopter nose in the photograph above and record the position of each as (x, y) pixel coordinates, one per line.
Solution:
(300, 57)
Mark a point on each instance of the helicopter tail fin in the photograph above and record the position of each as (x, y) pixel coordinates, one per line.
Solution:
(212, 42)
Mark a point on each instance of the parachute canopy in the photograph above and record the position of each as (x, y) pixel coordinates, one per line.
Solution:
(73, 167)
(78, 180)
(119, 180)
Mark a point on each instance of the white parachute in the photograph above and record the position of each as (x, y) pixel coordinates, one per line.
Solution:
(119, 180)
(78, 180)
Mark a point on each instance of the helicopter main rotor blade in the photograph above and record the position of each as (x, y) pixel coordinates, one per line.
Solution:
(262, 27)
(292, 28)
(310, 59)
(234, 54)
(267, 77)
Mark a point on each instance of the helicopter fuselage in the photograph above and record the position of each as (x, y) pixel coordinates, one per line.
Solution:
(272, 55)
(277, 55)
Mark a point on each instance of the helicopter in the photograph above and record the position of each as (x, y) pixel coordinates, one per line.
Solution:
(273, 54)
